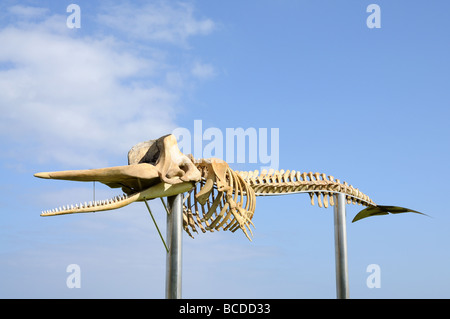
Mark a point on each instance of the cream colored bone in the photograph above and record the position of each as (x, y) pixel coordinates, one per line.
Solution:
(229, 205)
(315, 184)
(218, 198)
(155, 191)
(173, 166)
(155, 169)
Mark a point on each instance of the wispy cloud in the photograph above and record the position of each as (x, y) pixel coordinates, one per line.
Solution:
(78, 99)
(203, 70)
(26, 11)
(157, 22)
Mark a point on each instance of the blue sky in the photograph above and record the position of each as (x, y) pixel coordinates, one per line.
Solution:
(368, 106)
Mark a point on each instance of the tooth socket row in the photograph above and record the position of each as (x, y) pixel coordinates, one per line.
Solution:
(90, 204)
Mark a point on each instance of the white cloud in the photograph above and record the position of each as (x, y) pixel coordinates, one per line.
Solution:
(69, 92)
(28, 12)
(79, 99)
(203, 70)
(157, 22)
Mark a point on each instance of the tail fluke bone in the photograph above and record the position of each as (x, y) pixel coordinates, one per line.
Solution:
(382, 210)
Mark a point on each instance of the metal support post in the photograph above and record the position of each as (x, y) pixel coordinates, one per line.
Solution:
(340, 241)
(174, 243)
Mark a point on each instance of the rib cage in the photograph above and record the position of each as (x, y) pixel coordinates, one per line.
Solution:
(229, 205)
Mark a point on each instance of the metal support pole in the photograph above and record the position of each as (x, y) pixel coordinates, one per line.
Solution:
(340, 241)
(174, 243)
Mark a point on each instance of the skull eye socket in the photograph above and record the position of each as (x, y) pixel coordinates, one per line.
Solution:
(154, 158)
